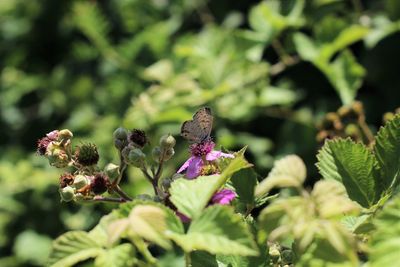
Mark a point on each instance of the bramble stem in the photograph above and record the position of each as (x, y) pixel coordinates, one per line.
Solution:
(120, 192)
(108, 199)
(122, 167)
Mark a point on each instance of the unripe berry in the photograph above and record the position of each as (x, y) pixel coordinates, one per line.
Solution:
(80, 181)
(67, 193)
(120, 137)
(87, 154)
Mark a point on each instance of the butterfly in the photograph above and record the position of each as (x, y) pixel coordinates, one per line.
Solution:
(199, 128)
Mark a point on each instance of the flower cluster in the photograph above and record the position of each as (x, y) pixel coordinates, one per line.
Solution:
(203, 161)
(82, 181)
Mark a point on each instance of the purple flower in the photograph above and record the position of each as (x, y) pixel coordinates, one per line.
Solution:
(201, 152)
(223, 197)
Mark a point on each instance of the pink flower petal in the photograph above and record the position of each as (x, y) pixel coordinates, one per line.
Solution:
(194, 167)
(183, 218)
(223, 197)
(213, 155)
(185, 165)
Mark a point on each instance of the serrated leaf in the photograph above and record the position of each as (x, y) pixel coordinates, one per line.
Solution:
(218, 231)
(149, 222)
(353, 165)
(289, 171)
(202, 258)
(192, 196)
(119, 256)
(387, 152)
(385, 241)
(73, 247)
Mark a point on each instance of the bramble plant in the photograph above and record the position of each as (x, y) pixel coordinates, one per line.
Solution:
(214, 212)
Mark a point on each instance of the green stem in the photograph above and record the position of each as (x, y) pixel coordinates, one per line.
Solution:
(188, 260)
(142, 247)
(108, 199)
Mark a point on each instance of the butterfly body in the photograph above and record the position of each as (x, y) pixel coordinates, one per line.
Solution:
(199, 128)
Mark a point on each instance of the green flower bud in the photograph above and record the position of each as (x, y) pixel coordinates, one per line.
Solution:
(177, 176)
(112, 170)
(136, 157)
(80, 181)
(67, 193)
(156, 153)
(87, 154)
(167, 141)
(168, 154)
(120, 137)
(166, 183)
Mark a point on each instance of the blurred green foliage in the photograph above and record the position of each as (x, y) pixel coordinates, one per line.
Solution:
(270, 70)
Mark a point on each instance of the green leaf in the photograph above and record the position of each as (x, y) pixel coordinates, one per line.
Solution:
(218, 231)
(348, 36)
(385, 242)
(119, 256)
(305, 46)
(192, 196)
(73, 247)
(345, 74)
(149, 221)
(352, 164)
(289, 171)
(387, 152)
(202, 258)
(244, 182)
(32, 247)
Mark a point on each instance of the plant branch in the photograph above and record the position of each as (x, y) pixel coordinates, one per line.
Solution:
(117, 189)
(108, 199)
(366, 131)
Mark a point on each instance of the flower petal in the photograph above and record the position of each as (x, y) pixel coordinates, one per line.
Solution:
(223, 197)
(213, 155)
(194, 167)
(185, 165)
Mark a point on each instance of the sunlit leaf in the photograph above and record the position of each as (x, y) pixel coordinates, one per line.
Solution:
(219, 231)
(353, 165)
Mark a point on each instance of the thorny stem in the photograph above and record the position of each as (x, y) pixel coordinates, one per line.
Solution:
(122, 167)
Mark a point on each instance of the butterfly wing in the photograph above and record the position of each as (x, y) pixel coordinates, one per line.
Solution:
(198, 129)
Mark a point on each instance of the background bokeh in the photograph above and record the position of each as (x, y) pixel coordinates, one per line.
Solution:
(269, 70)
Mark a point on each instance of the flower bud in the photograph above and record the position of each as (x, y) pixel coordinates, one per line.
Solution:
(56, 156)
(99, 183)
(137, 138)
(112, 171)
(166, 183)
(168, 154)
(67, 193)
(87, 154)
(120, 137)
(136, 157)
(156, 153)
(167, 141)
(80, 181)
(65, 134)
